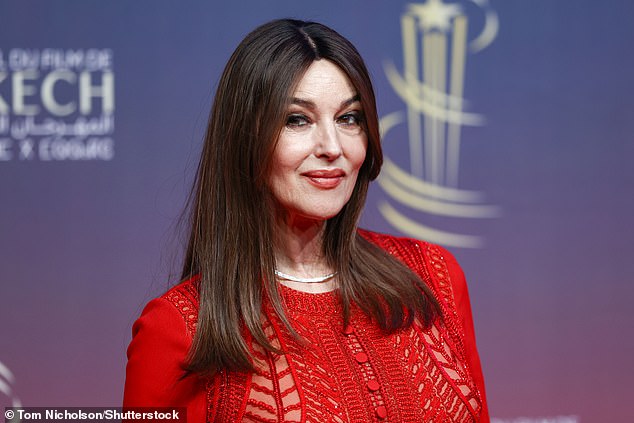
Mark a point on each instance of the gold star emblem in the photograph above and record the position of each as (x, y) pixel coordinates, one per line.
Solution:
(434, 15)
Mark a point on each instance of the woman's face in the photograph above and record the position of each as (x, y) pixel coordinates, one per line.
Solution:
(321, 148)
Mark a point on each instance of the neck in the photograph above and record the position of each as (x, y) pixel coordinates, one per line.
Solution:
(299, 248)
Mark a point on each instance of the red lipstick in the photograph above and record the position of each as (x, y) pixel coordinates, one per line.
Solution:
(325, 178)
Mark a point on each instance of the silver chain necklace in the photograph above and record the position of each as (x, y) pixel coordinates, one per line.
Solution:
(304, 280)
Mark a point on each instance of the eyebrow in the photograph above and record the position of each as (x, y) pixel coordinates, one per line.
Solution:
(311, 105)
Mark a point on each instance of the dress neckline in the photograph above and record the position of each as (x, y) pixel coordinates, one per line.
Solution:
(311, 303)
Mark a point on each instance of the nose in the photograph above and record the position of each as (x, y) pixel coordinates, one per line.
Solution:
(328, 144)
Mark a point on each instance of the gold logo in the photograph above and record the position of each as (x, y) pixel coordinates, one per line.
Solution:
(435, 47)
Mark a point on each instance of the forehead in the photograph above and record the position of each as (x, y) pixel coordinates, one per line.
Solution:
(323, 79)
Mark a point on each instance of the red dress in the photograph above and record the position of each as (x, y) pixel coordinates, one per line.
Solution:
(353, 374)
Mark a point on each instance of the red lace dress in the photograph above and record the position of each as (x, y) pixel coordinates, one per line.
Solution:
(351, 374)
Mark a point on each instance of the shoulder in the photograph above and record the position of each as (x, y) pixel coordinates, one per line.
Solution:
(408, 250)
(184, 298)
(397, 245)
(172, 315)
(413, 252)
(432, 263)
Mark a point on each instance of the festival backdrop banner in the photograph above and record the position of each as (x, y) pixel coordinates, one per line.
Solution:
(508, 136)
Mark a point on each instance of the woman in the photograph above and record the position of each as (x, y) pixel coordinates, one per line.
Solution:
(287, 311)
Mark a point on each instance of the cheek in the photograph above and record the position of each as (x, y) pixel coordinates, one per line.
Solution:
(357, 153)
(285, 162)
(290, 152)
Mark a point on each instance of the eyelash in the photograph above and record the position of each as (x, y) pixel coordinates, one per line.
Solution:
(356, 116)
(297, 120)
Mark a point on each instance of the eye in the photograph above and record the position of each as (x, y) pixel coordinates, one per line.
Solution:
(296, 120)
(351, 119)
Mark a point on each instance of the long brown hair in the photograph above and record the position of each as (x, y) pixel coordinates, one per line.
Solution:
(231, 242)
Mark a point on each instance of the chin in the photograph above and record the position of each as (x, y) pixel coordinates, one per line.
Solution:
(320, 214)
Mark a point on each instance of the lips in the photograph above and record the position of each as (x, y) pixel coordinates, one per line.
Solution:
(325, 178)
